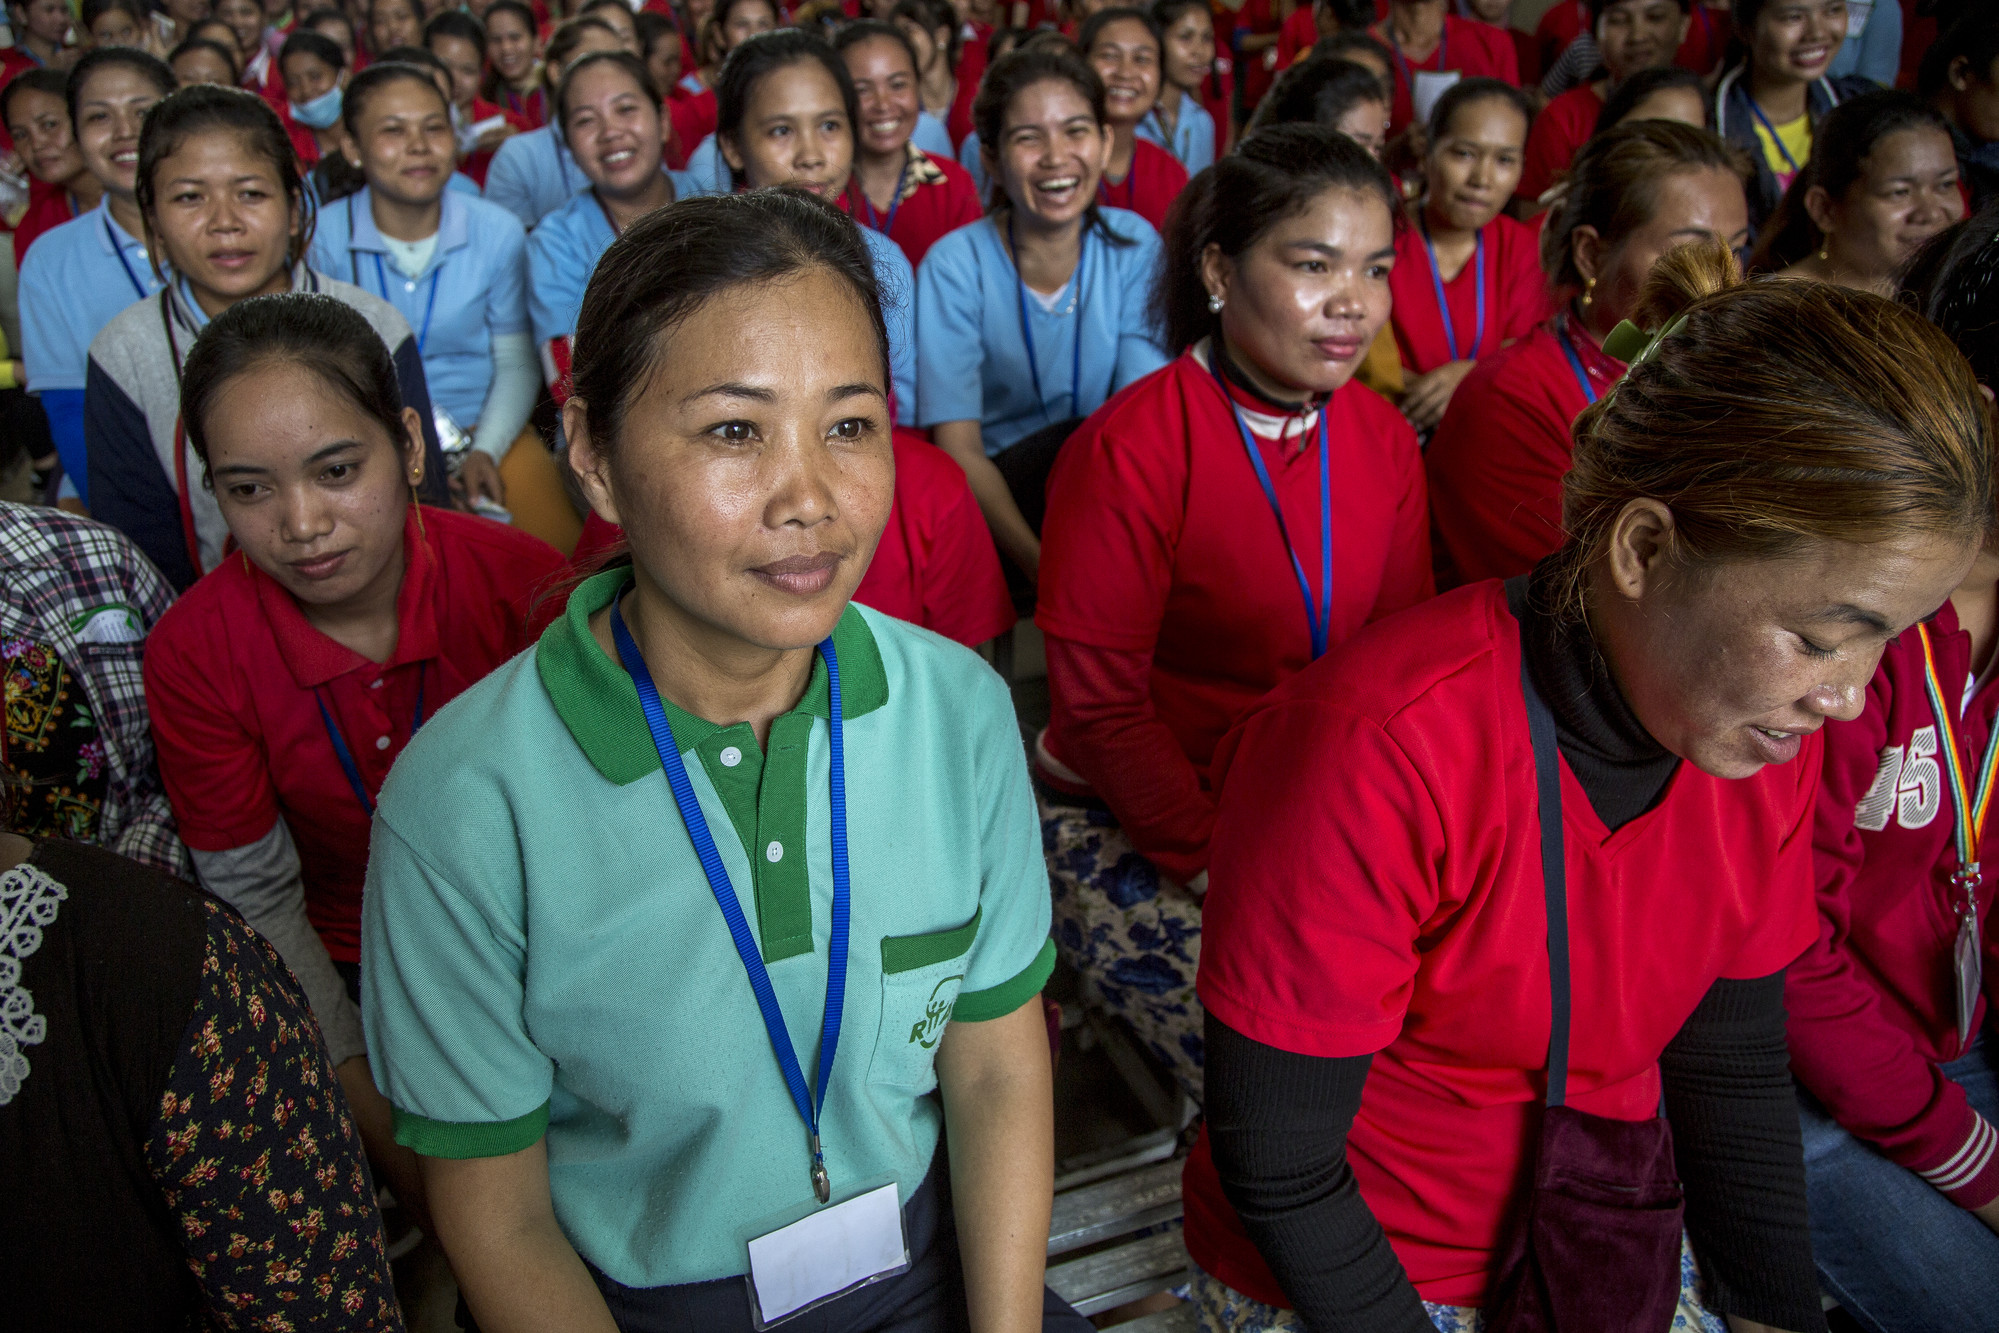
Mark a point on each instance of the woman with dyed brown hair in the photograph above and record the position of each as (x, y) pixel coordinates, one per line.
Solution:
(1505, 873)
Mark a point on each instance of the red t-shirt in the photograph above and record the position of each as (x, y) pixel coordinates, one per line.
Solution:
(1298, 35)
(1255, 18)
(1872, 1002)
(1376, 889)
(936, 565)
(1218, 97)
(48, 206)
(972, 59)
(1475, 50)
(938, 198)
(1499, 455)
(234, 675)
(1559, 133)
(693, 117)
(1158, 542)
(1150, 187)
(1516, 296)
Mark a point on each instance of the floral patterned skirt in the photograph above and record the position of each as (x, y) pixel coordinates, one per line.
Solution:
(1225, 1310)
(1130, 933)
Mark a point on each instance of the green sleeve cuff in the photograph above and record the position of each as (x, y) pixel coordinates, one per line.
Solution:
(443, 1138)
(1001, 1000)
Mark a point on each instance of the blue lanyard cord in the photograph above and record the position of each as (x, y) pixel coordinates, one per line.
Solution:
(1319, 618)
(1444, 306)
(809, 1108)
(874, 218)
(123, 262)
(1576, 363)
(1771, 130)
(346, 756)
(430, 307)
(1027, 327)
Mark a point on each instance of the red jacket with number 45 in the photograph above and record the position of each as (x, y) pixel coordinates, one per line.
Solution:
(1873, 1001)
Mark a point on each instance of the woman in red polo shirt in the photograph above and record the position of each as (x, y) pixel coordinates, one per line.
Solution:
(284, 683)
(908, 195)
(1467, 278)
(1196, 550)
(1126, 49)
(1899, 1085)
(1752, 518)
(1497, 459)
(1432, 50)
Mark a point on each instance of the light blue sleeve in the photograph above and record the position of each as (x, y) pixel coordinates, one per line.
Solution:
(54, 351)
(706, 168)
(950, 348)
(1141, 343)
(555, 284)
(1881, 44)
(897, 281)
(464, 184)
(507, 297)
(510, 180)
(968, 158)
(931, 136)
(1199, 131)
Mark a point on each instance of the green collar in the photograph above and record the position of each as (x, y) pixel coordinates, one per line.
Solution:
(596, 700)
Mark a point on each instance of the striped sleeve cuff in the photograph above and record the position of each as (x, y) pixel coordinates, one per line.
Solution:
(1969, 1177)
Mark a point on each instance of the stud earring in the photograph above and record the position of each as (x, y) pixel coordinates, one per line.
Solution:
(1825, 244)
(1215, 305)
(1589, 292)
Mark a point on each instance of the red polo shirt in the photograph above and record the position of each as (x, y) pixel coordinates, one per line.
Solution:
(938, 196)
(1167, 594)
(1376, 889)
(936, 565)
(1475, 50)
(1298, 35)
(693, 117)
(234, 675)
(1516, 296)
(1559, 133)
(973, 56)
(1873, 1009)
(1150, 187)
(1499, 455)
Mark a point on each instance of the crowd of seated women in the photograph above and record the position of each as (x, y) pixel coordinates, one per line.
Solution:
(501, 512)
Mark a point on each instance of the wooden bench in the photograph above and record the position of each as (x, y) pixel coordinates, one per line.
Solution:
(1124, 1230)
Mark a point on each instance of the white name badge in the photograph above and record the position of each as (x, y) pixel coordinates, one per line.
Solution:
(1429, 87)
(826, 1255)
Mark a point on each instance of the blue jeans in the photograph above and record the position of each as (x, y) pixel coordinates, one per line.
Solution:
(1897, 1255)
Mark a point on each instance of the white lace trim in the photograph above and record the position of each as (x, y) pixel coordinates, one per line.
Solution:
(28, 901)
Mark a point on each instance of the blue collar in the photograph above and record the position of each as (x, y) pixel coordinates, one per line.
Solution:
(453, 225)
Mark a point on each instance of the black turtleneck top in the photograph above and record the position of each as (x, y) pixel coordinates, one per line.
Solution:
(1277, 1122)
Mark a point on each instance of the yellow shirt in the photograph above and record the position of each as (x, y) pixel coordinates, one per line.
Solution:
(1794, 138)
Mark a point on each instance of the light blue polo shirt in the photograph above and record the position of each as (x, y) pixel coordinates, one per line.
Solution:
(931, 136)
(706, 168)
(972, 360)
(76, 278)
(1193, 139)
(968, 158)
(563, 252)
(473, 290)
(533, 174)
(542, 953)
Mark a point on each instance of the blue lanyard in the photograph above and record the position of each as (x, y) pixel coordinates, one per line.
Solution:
(430, 307)
(1444, 306)
(874, 218)
(346, 756)
(1771, 130)
(1402, 61)
(1319, 619)
(1576, 364)
(732, 911)
(123, 262)
(1027, 327)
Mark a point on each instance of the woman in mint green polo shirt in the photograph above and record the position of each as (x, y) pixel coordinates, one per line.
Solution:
(739, 917)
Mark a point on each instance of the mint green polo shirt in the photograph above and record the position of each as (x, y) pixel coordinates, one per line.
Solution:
(541, 952)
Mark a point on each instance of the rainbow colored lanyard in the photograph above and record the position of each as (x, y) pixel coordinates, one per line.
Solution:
(1972, 804)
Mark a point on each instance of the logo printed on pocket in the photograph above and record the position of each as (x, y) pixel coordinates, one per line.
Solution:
(936, 1014)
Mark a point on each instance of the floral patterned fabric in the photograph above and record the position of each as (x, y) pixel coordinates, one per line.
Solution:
(50, 742)
(259, 1159)
(1223, 1309)
(1131, 934)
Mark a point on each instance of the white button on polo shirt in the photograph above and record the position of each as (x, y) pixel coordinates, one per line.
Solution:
(774, 853)
(730, 757)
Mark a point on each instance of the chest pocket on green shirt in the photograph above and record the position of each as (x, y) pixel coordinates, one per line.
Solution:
(921, 977)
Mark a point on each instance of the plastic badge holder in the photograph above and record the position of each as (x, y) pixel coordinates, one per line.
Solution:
(826, 1255)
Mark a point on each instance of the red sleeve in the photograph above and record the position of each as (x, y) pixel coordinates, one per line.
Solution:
(1496, 466)
(1844, 1049)
(964, 592)
(211, 763)
(1549, 152)
(1299, 34)
(1103, 725)
(1322, 878)
(1785, 928)
(1409, 576)
(1498, 52)
(1528, 303)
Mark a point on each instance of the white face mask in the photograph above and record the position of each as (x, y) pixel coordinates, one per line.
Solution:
(321, 112)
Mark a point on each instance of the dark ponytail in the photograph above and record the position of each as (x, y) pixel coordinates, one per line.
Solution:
(1272, 175)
